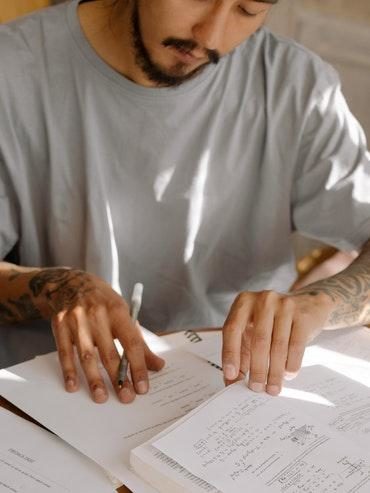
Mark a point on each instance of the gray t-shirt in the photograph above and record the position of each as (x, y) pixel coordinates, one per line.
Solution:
(193, 191)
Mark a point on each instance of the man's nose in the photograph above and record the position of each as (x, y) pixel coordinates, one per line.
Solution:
(209, 32)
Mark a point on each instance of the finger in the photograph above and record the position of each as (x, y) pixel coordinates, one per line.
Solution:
(126, 392)
(263, 316)
(87, 354)
(279, 347)
(110, 357)
(153, 362)
(130, 337)
(235, 324)
(245, 354)
(65, 350)
(296, 350)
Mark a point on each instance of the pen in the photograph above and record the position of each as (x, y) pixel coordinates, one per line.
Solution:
(136, 299)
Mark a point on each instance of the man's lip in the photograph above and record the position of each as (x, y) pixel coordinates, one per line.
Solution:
(184, 55)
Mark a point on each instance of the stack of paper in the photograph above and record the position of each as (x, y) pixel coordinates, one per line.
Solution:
(108, 433)
(33, 460)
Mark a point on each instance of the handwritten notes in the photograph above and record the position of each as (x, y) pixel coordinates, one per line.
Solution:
(241, 439)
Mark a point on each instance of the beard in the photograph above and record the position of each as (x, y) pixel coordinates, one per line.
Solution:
(157, 74)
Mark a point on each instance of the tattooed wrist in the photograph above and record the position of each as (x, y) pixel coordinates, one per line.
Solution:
(349, 291)
(61, 288)
(46, 292)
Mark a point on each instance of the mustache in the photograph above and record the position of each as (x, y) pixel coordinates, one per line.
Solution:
(190, 45)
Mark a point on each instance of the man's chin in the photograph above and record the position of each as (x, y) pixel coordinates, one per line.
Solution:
(176, 75)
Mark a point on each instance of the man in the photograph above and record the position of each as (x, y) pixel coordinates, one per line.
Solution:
(176, 143)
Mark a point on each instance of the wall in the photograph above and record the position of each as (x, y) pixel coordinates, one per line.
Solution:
(339, 31)
(9, 9)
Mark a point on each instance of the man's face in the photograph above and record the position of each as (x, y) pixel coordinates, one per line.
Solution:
(175, 39)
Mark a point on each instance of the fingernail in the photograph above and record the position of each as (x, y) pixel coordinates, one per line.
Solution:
(70, 384)
(256, 386)
(230, 372)
(273, 389)
(125, 395)
(100, 394)
(142, 387)
(290, 375)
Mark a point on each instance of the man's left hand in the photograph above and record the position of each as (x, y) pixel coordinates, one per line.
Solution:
(266, 333)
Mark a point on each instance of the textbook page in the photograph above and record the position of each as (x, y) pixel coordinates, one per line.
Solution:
(107, 432)
(33, 460)
(346, 401)
(328, 397)
(241, 438)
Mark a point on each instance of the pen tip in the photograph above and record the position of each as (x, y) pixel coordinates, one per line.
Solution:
(120, 384)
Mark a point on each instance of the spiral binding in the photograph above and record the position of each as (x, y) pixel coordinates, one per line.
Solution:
(214, 365)
(192, 336)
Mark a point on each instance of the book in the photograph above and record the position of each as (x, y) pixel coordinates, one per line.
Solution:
(314, 437)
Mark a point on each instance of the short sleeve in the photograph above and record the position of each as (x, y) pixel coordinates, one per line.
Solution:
(8, 218)
(331, 190)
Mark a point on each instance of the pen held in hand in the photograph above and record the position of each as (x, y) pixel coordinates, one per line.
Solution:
(136, 299)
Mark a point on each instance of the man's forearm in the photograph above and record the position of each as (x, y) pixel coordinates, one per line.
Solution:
(349, 291)
(16, 300)
(29, 293)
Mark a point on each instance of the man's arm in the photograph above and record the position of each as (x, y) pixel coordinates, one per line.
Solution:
(331, 266)
(266, 333)
(86, 313)
(349, 291)
(16, 303)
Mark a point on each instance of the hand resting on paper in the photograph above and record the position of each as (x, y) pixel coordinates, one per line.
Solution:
(85, 313)
(266, 332)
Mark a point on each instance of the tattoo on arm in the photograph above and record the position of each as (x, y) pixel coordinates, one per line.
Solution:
(6, 315)
(25, 307)
(61, 288)
(349, 290)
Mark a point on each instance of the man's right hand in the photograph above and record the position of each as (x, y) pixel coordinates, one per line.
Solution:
(87, 313)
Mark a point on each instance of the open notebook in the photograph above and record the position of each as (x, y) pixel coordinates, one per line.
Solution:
(313, 438)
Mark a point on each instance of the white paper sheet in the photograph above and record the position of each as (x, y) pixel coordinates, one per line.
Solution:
(346, 351)
(33, 460)
(346, 402)
(106, 433)
(241, 439)
(209, 349)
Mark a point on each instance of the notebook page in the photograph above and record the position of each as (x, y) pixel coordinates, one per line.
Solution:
(348, 401)
(271, 444)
